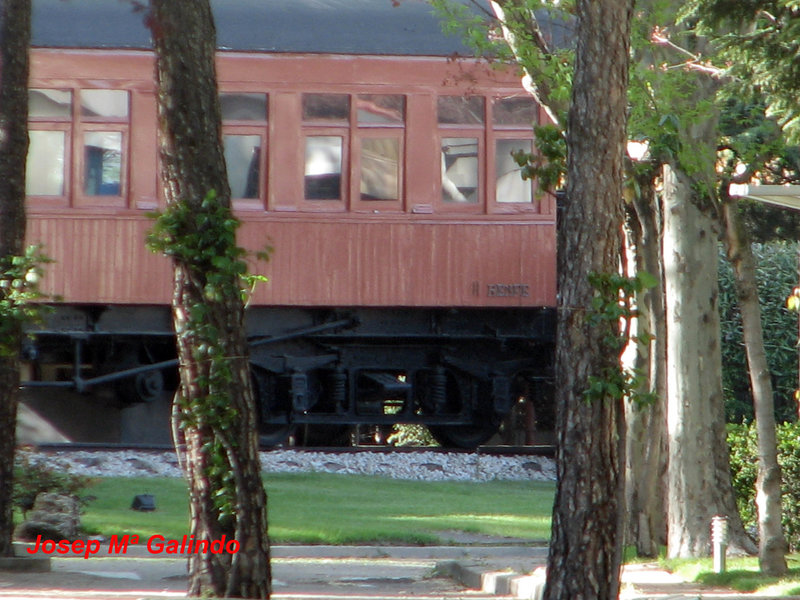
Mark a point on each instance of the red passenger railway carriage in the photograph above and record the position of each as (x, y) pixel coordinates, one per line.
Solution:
(413, 272)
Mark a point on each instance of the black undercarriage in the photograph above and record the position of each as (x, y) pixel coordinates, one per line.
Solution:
(460, 372)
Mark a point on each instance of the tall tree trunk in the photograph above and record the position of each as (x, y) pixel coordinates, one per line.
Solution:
(698, 473)
(214, 403)
(646, 426)
(772, 545)
(14, 42)
(585, 549)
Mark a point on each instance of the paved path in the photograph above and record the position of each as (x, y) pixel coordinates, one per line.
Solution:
(335, 573)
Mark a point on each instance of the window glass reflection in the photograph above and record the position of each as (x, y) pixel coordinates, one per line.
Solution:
(102, 163)
(107, 104)
(380, 168)
(243, 159)
(509, 185)
(381, 109)
(520, 110)
(49, 104)
(460, 110)
(243, 107)
(323, 168)
(45, 168)
(460, 170)
(331, 108)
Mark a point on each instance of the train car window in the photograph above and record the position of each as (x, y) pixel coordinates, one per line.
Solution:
(104, 104)
(49, 104)
(323, 167)
(50, 114)
(380, 109)
(517, 111)
(509, 185)
(244, 124)
(243, 158)
(380, 168)
(326, 108)
(45, 169)
(461, 110)
(460, 169)
(102, 163)
(243, 107)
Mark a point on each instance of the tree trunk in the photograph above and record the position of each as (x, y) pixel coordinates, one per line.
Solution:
(14, 43)
(214, 403)
(698, 472)
(772, 545)
(586, 544)
(646, 426)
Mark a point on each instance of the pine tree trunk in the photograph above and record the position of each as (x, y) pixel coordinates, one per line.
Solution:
(772, 545)
(698, 473)
(646, 426)
(14, 42)
(586, 544)
(215, 408)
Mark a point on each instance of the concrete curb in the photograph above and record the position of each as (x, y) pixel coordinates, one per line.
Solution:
(531, 586)
(500, 583)
(25, 564)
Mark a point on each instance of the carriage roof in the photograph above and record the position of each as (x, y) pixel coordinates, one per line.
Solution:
(371, 27)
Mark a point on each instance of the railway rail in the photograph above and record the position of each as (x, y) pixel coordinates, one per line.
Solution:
(538, 450)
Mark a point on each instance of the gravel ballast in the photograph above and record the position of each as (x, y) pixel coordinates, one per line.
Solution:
(422, 465)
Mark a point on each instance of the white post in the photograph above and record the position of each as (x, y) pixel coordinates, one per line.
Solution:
(719, 540)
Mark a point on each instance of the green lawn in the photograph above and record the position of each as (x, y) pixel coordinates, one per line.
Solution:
(741, 574)
(320, 508)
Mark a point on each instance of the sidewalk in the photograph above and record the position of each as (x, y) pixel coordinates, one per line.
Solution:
(500, 571)
(646, 581)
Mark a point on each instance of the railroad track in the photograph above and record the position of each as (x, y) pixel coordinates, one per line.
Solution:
(540, 450)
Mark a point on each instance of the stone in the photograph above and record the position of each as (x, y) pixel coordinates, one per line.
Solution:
(54, 517)
(432, 467)
(138, 463)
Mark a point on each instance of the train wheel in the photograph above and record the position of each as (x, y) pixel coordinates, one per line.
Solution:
(462, 436)
(270, 436)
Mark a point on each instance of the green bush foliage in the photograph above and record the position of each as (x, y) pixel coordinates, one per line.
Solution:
(776, 276)
(744, 469)
(411, 435)
(33, 478)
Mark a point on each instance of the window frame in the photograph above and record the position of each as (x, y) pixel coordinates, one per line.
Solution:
(257, 203)
(251, 127)
(477, 131)
(479, 206)
(493, 204)
(377, 130)
(64, 124)
(75, 128)
(511, 131)
(61, 200)
(80, 197)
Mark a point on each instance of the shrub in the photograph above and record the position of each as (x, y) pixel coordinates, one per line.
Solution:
(744, 469)
(776, 276)
(32, 478)
(411, 435)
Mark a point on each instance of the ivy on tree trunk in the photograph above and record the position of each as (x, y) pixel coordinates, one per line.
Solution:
(214, 408)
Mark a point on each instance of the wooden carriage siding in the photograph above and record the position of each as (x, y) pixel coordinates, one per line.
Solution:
(417, 250)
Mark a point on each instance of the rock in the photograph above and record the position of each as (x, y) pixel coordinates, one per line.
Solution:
(432, 467)
(138, 463)
(54, 517)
